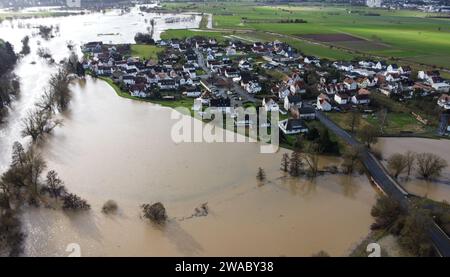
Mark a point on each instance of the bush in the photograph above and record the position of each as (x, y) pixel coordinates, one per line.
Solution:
(74, 202)
(142, 38)
(155, 212)
(110, 207)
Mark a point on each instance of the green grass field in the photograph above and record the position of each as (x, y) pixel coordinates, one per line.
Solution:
(145, 51)
(410, 35)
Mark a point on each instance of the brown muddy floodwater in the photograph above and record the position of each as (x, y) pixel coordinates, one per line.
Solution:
(115, 148)
(437, 189)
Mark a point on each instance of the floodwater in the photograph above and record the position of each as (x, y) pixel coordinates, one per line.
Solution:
(79, 29)
(119, 149)
(438, 189)
(115, 148)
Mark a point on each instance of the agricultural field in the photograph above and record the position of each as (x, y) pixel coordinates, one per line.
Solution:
(413, 36)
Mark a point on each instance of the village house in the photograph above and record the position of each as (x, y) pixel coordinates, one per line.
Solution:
(292, 101)
(292, 126)
(394, 69)
(220, 105)
(323, 103)
(342, 98)
(441, 87)
(444, 101)
(167, 84)
(232, 73)
(307, 113)
(245, 65)
(270, 105)
(138, 90)
(361, 97)
(350, 84)
(192, 91)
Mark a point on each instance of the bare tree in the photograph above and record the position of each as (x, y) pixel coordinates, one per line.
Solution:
(368, 135)
(410, 159)
(54, 185)
(430, 165)
(382, 116)
(295, 164)
(352, 159)
(59, 88)
(285, 162)
(72, 63)
(311, 158)
(354, 120)
(46, 102)
(397, 164)
(261, 175)
(35, 166)
(38, 123)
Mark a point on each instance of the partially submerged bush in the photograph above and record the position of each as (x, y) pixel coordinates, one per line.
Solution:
(155, 212)
(110, 206)
(74, 202)
(202, 210)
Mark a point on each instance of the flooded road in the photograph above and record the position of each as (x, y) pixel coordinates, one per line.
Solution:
(438, 189)
(119, 149)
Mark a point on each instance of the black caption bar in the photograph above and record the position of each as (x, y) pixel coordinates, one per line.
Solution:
(220, 266)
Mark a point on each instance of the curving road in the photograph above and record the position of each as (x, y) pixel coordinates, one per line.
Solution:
(389, 186)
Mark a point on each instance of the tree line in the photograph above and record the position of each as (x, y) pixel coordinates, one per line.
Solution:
(426, 165)
(24, 183)
(9, 83)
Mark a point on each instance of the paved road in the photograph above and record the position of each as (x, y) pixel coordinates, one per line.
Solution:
(387, 183)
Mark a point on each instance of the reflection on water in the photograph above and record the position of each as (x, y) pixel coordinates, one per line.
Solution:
(438, 189)
(115, 148)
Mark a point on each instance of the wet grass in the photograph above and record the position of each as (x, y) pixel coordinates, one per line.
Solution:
(146, 51)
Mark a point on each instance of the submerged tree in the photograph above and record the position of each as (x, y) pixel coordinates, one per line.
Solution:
(285, 162)
(25, 46)
(261, 175)
(321, 253)
(155, 212)
(311, 158)
(37, 123)
(410, 159)
(59, 88)
(295, 164)
(397, 164)
(430, 165)
(352, 159)
(54, 186)
(74, 202)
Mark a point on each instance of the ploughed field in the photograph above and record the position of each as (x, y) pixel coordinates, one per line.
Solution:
(410, 35)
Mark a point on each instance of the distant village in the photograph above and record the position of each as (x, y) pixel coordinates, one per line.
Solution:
(272, 76)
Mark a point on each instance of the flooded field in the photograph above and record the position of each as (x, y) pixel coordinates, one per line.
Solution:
(115, 148)
(438, 189)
